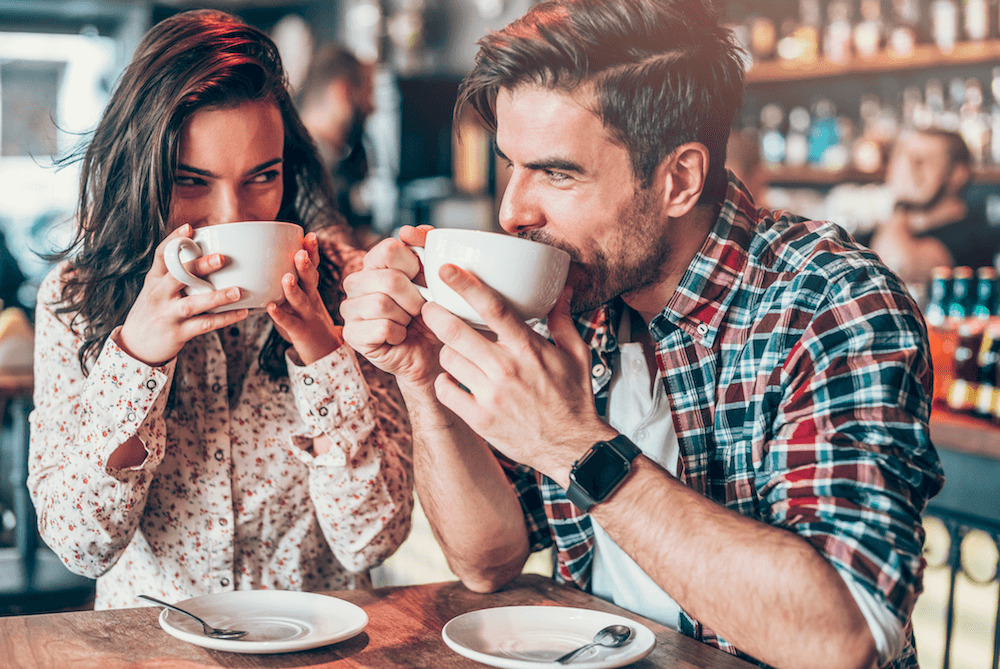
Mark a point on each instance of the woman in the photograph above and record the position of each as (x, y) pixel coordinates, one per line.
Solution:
(178, 452)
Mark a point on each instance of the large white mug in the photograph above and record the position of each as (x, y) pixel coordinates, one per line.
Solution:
(258, 254)
(529, 275)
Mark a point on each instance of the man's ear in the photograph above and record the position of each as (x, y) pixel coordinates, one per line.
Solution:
(683, 174)
(958, 177)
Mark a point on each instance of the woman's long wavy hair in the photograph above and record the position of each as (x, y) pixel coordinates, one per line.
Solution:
(191, 61)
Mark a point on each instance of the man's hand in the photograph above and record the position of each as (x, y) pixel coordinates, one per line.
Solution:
(382, 312)
(528, 397)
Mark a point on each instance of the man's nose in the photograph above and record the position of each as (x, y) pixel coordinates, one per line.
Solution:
(519, 210)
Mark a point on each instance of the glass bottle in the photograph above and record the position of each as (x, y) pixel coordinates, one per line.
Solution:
(903, 34)
(976, 19)
(772, 142)
(868, 31)
(797, 141)
(942, 343)
(940, 295)
(962, 293)
(838, 33)
(944, 19)
(974, 126)
(986, 293)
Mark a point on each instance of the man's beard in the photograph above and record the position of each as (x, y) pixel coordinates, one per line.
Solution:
(928, 204)
(639, 258)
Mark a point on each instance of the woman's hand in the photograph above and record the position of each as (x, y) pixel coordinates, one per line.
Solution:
(303, 319)
(162, 319)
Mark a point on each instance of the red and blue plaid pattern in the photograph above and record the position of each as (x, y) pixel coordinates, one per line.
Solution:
(798, 375)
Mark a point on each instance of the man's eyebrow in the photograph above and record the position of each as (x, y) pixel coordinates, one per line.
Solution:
(546, 164)
(207, 173)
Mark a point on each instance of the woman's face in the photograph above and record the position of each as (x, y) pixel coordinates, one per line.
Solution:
(229, 166)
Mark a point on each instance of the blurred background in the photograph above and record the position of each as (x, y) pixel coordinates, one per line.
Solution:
(851, 114)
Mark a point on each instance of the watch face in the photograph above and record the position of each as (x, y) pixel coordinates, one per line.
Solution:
(599, 473)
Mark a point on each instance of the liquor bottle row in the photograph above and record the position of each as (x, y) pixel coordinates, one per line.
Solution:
(963, 321)
(839, 30)
(822, 136)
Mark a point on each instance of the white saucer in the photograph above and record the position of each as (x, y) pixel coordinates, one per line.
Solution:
(525, 637)
(277, 621)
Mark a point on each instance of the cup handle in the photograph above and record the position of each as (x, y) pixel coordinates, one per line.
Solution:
(424, 292)
(171, 256)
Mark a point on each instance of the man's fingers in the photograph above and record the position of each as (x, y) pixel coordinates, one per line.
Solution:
(488, 303)
(390, 283)
(562, 327)
(392, 254)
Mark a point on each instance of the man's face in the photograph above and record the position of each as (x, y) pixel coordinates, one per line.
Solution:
(920, 168)
(572, 187)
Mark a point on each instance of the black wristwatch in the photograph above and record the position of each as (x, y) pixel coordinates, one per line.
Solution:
(600, 471)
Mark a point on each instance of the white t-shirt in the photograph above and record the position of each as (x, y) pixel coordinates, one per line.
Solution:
(641, 412)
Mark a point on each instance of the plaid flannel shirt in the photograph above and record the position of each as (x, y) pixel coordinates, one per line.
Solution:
(797, 370)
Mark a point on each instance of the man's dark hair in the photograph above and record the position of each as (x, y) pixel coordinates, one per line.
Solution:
(329, 63)
(958, 150)
(664, 72)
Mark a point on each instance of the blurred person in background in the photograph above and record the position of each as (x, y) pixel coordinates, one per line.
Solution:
(334, 100)
(932, 222)
(176, 451)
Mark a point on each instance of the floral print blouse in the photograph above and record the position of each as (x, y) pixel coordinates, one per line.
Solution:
(230, 495)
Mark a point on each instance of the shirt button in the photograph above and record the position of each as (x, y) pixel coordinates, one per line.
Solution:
(702, 329)
(130, 416)
(223, 521)
(599, 370)
(151, 384)
(219, 455)
(216, 387)
(308, 381)
(234, 332)
(641, 435)
(322, 411)
(224, 582)
(637, 364)
(283, 387)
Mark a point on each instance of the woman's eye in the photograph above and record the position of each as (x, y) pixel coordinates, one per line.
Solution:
(265, 177)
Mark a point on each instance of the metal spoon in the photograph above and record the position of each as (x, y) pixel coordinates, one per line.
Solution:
(611, 636)
(213, 632)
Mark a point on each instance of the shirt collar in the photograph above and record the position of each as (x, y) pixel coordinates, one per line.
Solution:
(707, 289)
(712, 280)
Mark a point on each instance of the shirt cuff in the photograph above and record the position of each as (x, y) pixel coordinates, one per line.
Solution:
(885, 627)
(130, 391)
(333, 398)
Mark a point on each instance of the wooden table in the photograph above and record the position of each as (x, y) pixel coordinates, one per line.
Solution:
(404, 630)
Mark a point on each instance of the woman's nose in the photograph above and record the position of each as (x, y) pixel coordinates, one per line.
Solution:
(229, 207)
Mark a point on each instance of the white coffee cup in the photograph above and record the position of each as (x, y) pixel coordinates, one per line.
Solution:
(258, 254)
(529, 275)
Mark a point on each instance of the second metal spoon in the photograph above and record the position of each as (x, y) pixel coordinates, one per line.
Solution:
(213, 632)
(611, 636)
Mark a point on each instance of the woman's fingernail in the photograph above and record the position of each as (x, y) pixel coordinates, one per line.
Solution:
(233, 293)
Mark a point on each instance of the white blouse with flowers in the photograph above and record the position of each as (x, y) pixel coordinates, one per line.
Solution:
(230, 495)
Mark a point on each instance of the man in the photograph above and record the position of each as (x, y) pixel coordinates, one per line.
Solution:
(773, 374)
(334, 101)
(932, 223)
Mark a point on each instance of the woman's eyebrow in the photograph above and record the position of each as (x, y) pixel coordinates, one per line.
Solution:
(208, 173)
